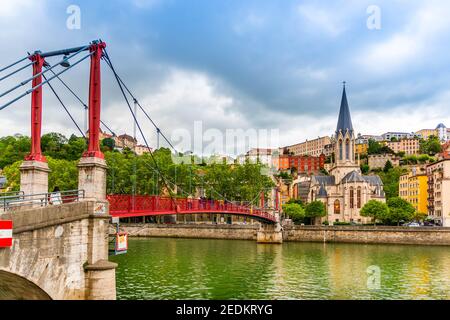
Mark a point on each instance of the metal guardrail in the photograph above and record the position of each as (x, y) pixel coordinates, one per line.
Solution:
(21, 200)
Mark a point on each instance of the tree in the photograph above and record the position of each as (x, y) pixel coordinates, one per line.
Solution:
(376, 147)
(297, 201)
(109, 143)
(388, 166)
(419, 216)
(375, 209)
(13, 149)
(365, 168)
(391, 181)
(294, 211)
(399, 210)
(431, 146)
(52, 145)
(315, 209)
(63, 174)
(12, 174)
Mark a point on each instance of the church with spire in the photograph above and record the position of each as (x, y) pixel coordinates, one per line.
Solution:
(345, 190)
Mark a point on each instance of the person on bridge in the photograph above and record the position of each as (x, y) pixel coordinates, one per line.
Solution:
(55, 197)
(189, 202)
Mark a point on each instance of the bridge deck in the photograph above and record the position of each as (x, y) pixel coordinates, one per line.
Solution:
(125, 206)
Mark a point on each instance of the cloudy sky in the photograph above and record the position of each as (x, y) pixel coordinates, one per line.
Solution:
(242, 64)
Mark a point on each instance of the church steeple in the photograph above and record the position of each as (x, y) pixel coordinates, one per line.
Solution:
(345, 119)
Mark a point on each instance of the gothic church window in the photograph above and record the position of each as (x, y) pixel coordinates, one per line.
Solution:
(352, 198)
(358, 196)
(337, 207)
(347, 149)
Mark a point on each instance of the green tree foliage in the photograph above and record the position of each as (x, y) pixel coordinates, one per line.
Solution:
(129, 173)
(375, 209)
(109, 143)
(63, 174)
(419, 216)
(294, 211)
(391, 181)
(52, 145)
(365, 168)
(297, 201)
(399, 210)
(388, 166)
(431, 146)
(12, 174)
(377, 148)
(315, 209)
(13, 149)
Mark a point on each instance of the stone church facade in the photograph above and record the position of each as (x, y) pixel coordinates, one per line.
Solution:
(345, 190)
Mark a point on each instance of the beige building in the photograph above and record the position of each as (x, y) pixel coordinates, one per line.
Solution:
(125, 141)
(408, 146)
(426, 133)
(310, 147)
(345, 191)
(439, 191)
(141, 149)
(378, 161)
(261, 155)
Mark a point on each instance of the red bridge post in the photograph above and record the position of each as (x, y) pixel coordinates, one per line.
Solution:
(92, 166)
(34, 170)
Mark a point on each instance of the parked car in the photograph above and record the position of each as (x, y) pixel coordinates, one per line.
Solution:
(413, 224)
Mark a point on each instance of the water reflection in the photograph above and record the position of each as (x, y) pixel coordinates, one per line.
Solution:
(221, 269)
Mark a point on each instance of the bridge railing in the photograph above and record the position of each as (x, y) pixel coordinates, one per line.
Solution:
(23, 201)
(126, 204)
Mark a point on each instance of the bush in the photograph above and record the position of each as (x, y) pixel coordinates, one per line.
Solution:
(295, 211)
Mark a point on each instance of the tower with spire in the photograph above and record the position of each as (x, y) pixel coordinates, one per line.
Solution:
(345, 190)
(344, 142)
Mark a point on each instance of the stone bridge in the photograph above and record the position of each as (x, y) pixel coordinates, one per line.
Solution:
(58, 252)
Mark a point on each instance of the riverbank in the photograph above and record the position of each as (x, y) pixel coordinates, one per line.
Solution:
(328, 234)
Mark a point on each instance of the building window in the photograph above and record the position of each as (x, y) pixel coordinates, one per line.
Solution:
(352, 198)
(337, 207)
(340, 150)
(347, 149)
(358, 196)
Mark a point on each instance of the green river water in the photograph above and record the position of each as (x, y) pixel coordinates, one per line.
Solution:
(157, 268)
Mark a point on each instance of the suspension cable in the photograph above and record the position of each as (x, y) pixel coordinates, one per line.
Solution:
(143, 110)
(13, 64)
(42, 83)
(62, 104)
(18, 70)
(138, 126)
(44, 71)
(78, 98)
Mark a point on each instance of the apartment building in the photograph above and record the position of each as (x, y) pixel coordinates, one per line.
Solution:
(408, 146)
(310, 147)
(398, 135)
(414, 189)
(302, 164)
(439, 191)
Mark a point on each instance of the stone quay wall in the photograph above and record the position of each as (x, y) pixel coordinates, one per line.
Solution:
(368, 234)
(331, 234)
(197, 231)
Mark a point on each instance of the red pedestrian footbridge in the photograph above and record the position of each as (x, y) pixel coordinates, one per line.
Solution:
(127, 206)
